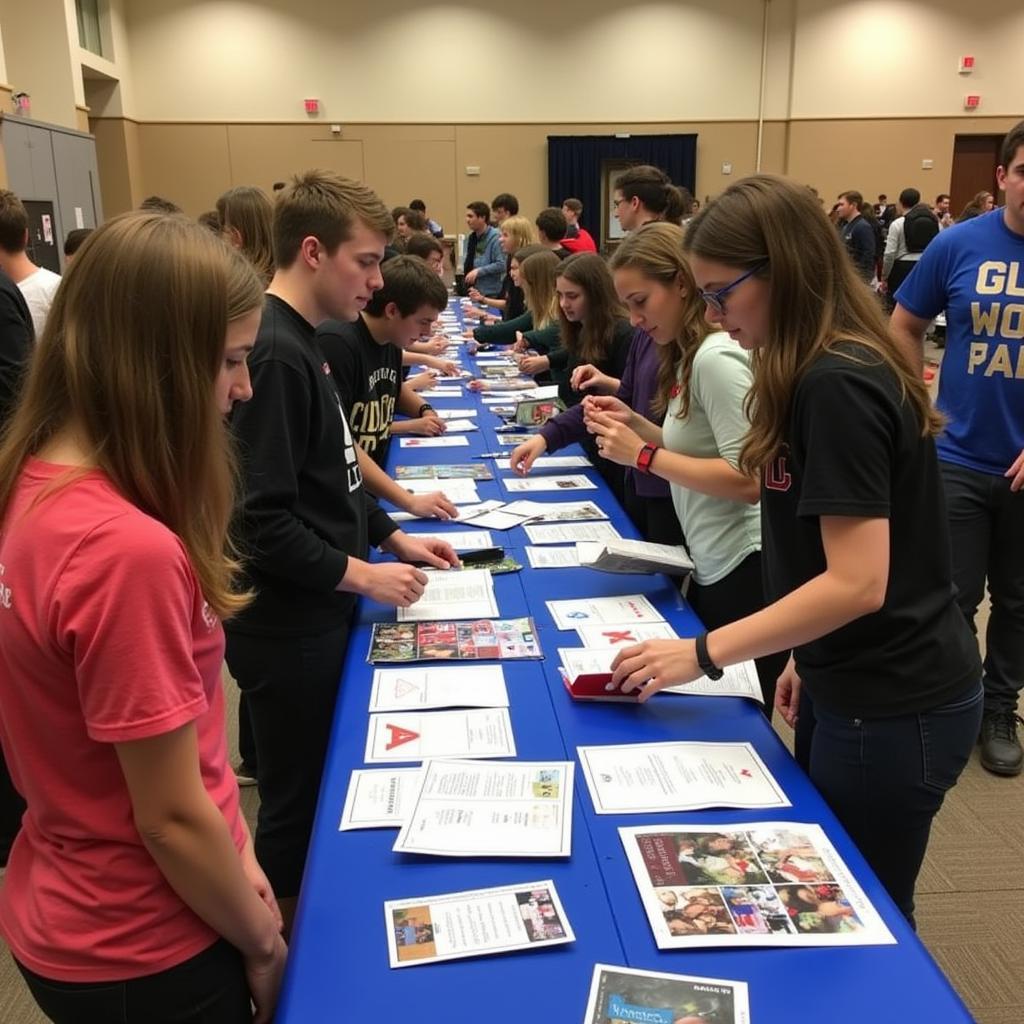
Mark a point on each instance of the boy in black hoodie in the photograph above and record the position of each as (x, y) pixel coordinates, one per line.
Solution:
(306, 521)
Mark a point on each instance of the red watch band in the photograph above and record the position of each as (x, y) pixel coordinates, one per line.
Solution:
(645, 457)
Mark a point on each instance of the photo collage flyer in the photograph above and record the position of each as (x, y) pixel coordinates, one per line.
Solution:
(471, 640)
(760, 884)
(452, 471)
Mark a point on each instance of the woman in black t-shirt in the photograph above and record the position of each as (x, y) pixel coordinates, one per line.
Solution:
(856, 547)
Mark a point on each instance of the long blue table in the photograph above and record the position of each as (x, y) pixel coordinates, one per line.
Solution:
(338, 967)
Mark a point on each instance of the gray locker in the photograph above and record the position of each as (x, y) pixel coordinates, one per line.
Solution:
(49, 163)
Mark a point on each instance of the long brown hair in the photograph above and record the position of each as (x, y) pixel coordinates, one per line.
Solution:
(656, 251)
(537, 274)
(817, 301)
(249, 212)
(132, 348)
(590, 341)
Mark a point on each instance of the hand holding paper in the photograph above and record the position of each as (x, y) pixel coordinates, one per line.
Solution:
(655, 664)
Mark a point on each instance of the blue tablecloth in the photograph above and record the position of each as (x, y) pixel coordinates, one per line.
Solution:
(338, 968)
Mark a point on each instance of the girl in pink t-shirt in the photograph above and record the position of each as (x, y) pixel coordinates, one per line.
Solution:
(132, 892)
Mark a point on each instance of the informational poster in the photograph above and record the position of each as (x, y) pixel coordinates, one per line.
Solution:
(774, 883)
(449, 686)
(624, 994)
(569, 533)
(653, 778)
(455, 594)
(569, 482)
(479, 922)
(598, 611)
(552, 557)
(483, 809)
(379, 798)
(399, 736)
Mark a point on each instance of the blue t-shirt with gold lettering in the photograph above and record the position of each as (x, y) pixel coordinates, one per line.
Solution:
(975, 272)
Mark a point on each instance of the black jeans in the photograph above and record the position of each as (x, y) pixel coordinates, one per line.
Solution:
(210, 988)
(885, 779)
(733, 597)
(986, 527)
(290, 685)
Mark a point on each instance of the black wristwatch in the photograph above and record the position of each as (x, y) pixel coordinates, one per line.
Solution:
(707, 666)
(425, 407)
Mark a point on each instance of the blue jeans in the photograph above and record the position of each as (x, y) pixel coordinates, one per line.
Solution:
(986, 527)
(885, 779)
(209, 988)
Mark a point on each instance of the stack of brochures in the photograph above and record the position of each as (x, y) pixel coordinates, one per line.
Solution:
(634, 556)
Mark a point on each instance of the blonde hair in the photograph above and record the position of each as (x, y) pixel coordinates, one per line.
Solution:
(537, 274)
(130, 354)
(251, 214)
(520, 229)
(817, 301)
(656, 251)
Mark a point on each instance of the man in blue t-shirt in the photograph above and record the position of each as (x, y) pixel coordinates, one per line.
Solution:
(975, 272)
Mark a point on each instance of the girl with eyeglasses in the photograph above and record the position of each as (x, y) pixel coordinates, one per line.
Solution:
(695, 438)
(884, 686)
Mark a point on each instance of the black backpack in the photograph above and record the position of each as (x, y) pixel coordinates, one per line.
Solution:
(920, 226)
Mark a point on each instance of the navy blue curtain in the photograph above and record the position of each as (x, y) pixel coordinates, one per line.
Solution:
(574, 165)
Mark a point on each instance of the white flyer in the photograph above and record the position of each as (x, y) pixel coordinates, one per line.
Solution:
(458, 441)
(571, 482)
(491, 809)
(460, 426)
(415, 687)
(379, 797)
(631, 608)
(455, 414)
(426, 929)
(543, 392)
(457, 491)
(653, 778)
(552, 462)
(737, 681)
(624, 634)
(461, 540)
(569, 533)
(627, 994)
(412, 737)
(558, 511)
(442, 392)
(552, 558)
(455, 594)
(765, 883)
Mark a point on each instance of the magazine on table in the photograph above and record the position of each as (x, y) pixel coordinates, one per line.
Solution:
(768, 883)
(471, 640)
(625, 994)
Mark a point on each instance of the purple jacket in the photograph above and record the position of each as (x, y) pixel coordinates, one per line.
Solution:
(637, 389)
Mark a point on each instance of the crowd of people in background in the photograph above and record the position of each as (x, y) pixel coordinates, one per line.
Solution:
(212, 402)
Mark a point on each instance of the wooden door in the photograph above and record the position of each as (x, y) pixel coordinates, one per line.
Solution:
(975, 159)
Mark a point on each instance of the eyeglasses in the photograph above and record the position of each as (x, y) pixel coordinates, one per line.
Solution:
(716, 300)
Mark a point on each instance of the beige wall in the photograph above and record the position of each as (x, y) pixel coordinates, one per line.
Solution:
(402, 60)
(899, 58)
(881, 156)
(193, 163)
(38, 57)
